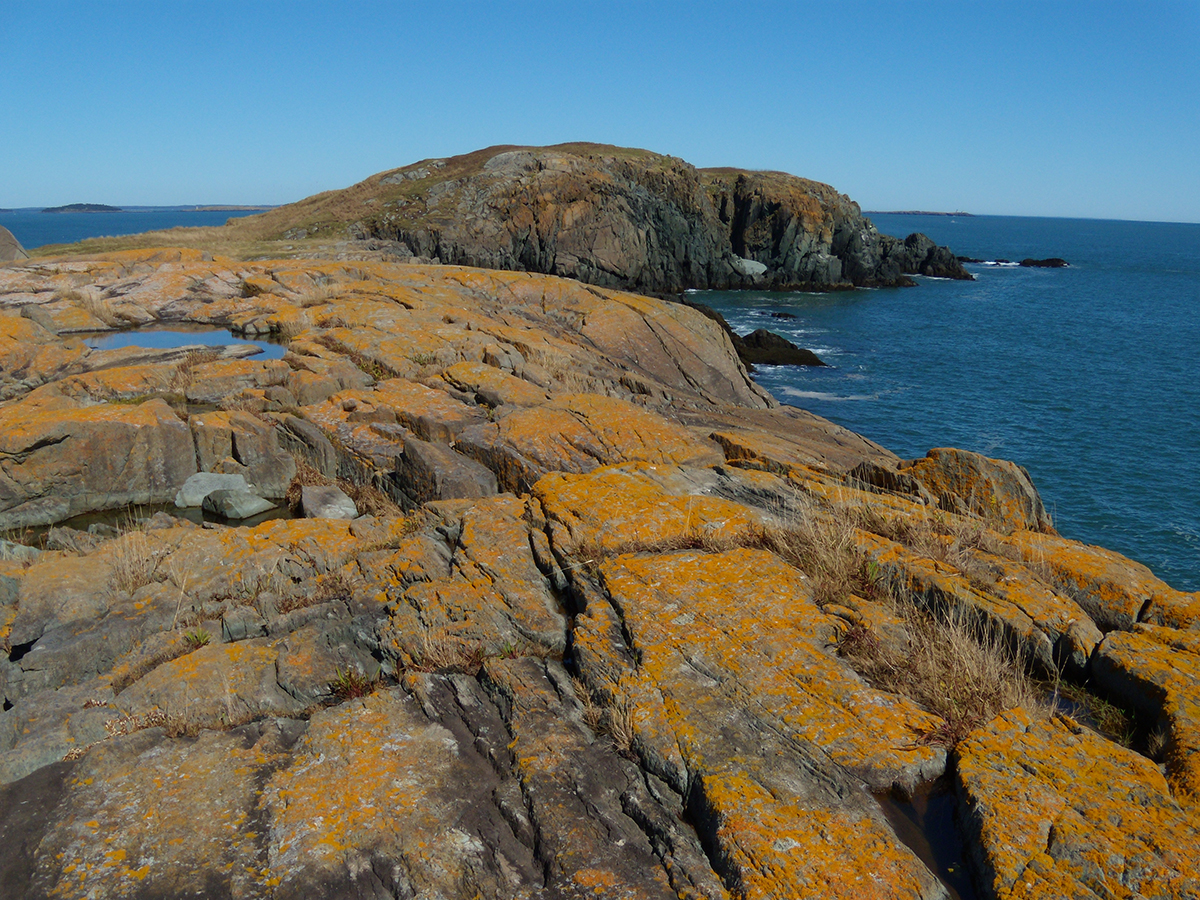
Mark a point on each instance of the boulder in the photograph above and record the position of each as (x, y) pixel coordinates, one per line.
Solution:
(10, 247)
(1054, 262)
(326, 501)
(427, 471)
(766, 348)
(235, 504)
(998, 490)
(200, 485)
(58, 460)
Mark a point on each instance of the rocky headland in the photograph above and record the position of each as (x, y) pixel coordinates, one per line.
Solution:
(558, 603)
(610, 216)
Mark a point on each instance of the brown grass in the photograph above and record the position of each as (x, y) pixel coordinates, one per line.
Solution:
(352, 684)
(185, 373)
(955, 668)
(372, 367)
(441, 651)
(133, 562)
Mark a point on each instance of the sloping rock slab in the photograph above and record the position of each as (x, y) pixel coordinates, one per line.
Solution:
(57, 461)
(1058, 811)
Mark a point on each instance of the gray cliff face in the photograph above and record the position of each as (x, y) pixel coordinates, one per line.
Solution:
(10, 247)
(638, 221)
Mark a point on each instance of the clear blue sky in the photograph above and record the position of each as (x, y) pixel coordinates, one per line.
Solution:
(1038, 108)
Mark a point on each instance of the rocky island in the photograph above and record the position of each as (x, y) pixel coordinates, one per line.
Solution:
(556, 601)
(81, 207)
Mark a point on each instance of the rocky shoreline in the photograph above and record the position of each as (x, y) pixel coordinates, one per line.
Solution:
(613, 622)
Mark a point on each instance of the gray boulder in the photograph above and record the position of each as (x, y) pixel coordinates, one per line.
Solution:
(428, 471)
(325, 501)
(10, 247)
(200, 485)
(236, 504)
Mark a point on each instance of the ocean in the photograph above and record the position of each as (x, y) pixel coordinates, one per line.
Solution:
(34, 228)
(1087, 376)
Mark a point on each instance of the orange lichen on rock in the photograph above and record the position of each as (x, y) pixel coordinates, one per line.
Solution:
(1058, 811)
(1115, 591)
(1157, 671)
(633, 505)
(750, 616)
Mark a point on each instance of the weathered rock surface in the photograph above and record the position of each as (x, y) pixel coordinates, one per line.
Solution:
(616, 217)
(10, 247)
(598, 654)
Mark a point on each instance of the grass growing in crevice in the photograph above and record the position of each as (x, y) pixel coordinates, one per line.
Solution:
(352, 684)
(373, 367)
(955, 667)
(611, 715)
(368, 499)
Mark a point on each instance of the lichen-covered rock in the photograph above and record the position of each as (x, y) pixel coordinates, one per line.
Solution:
(996, 489)
(615, 680)
(59, 460)
(1156, 671)
(577, 433)
(1058, 811)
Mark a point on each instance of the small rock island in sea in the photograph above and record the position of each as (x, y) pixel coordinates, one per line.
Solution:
(557, 601)
(81, 207)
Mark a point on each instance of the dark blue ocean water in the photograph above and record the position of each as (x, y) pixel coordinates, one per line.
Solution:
(35, 229)
(1088, 376)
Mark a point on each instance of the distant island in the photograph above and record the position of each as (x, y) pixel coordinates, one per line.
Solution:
(82, 207)
(913, 212)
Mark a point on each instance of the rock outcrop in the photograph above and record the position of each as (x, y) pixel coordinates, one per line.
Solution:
(615, 217)
(607, 620)
(10, 247)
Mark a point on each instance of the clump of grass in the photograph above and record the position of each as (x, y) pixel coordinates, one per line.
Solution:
(319, 294)
(422, 359)
(955, 668)
(335, 585)
(351, 684)
(373, 367)
(185, 373)
(441, 651)
(197, 638)
(369, 500)
(134, 562)
(1096, 712)
(613, 718)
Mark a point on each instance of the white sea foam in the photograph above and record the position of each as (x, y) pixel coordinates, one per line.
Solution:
(823, 395)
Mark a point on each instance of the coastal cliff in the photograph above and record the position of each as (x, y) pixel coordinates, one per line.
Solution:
(612, 622)
(610, 216)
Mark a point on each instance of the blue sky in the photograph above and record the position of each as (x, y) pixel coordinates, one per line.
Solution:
(1039, 108)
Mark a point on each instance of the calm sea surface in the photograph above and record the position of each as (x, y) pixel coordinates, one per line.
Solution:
(35, 229)
(1088, 376)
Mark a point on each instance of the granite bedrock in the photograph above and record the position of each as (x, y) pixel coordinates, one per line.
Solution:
(563, 663)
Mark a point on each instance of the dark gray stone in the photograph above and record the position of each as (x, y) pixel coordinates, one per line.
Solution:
(428, 471)
(200, 485)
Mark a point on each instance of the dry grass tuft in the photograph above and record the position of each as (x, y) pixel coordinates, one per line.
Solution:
(955, 668)
(335, 585)
(373, 367)
(352, 684)
(134, 562)
(441, 651)
(185, 373)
